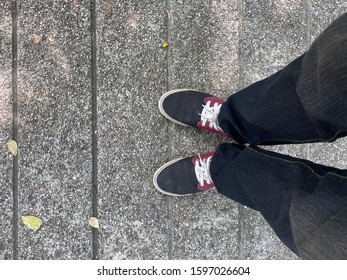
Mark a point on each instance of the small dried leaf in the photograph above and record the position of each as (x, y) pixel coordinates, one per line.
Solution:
(13, 147)
(37, 39)
(168, 14)
(93, 222)
(32, 222)
(165, 44)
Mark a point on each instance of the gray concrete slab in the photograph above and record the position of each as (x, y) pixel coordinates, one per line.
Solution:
(215, 46)
(274, 33)
(54, 88)
(322, 13)
(205, 226)
(330, 154)
(205, 46)
(6, 210)
(135, 219)
(204, 56)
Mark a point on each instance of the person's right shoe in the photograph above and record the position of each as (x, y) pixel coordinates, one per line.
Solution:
(185, 176)
(192, 108)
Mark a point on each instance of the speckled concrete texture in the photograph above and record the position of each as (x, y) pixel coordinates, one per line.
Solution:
(54, 128)
(6, 210)
(274, 33)
(135, 221)
(67, 170)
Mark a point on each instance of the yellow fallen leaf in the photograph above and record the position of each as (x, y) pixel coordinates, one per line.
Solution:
(32, 222)
(165, 44)
(37, 39)
(93, 222)
(13, 147)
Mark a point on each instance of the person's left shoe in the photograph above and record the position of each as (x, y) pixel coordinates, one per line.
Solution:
(193, 108)
(184, 176)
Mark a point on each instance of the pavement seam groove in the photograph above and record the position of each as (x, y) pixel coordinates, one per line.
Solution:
(15, 170)
(168, 22)
(95, 241)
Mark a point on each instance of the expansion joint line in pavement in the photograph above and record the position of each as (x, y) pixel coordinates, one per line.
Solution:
(15, 127)
(94, 127)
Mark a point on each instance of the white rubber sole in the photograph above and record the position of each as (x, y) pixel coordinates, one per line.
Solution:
(161, 109)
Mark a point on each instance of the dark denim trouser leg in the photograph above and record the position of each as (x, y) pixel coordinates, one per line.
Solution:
(304, 102)
(303, 202)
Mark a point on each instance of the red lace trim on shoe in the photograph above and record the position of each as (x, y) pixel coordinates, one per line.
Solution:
(202, 171)
(209, 115)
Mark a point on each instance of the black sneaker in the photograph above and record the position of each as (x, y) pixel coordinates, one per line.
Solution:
(192, 108)
(184, 175)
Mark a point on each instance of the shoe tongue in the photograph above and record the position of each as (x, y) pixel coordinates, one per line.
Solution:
(195, 159)
(213, 100)
(202, 156)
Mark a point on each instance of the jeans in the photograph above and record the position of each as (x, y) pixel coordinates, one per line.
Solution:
(304, 203)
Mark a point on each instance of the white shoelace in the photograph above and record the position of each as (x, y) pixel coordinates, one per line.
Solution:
(210, 114)
(202, 170)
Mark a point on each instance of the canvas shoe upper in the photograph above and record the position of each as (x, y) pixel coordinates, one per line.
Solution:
(192, 108)
(185, 175)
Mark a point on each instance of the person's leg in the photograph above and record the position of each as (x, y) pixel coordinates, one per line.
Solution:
(304, 102)
(296, 197)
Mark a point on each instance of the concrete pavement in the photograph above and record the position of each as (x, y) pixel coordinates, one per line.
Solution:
(79, 84)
